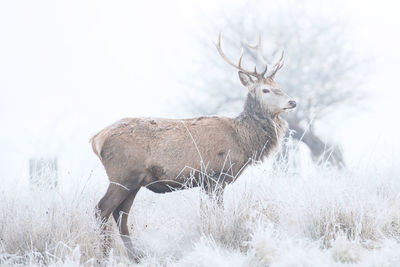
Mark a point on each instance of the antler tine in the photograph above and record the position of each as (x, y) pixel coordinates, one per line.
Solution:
(255, 47)
(265, 70)
(258, 49)
(280, 61)
(240, 59)
(239, 66)
(219, 48)
(278, 65)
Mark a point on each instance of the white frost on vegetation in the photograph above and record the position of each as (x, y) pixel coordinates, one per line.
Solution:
(272, 216)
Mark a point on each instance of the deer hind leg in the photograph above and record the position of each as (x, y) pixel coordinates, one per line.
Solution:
(110, 201)
(120, 215)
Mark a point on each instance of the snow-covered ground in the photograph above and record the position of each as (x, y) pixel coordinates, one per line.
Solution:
(282, 216)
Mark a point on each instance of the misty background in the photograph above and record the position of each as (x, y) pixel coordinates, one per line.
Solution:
(68, 69)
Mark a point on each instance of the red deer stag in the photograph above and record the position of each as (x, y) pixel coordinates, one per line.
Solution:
(161, 154)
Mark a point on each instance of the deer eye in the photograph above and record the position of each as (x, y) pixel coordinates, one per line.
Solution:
(265, 91)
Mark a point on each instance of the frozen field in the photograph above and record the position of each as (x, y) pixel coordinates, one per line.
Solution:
(70, 68)
(283, 216)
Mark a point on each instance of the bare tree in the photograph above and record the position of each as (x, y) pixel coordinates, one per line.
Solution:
(321, 67)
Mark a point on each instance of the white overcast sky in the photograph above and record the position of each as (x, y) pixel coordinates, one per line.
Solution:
(69, 68)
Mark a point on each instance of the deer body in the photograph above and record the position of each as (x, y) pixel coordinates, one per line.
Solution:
(161, 154)
(164, 154)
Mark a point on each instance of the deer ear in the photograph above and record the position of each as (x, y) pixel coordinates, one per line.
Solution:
(245, 79)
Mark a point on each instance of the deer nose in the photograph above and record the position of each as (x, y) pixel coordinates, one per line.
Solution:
(292, 103)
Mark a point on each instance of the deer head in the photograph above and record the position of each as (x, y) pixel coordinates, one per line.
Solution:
(264, 89)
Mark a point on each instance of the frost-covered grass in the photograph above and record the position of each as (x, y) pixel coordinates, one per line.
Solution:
(282, 216)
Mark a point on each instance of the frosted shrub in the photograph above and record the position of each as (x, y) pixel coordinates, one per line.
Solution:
(41, 226)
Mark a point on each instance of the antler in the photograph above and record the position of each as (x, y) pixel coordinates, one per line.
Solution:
(278, 65)
(257, 48)
(239, 66)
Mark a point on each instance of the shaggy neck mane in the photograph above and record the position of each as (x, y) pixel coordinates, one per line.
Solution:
(263, 130)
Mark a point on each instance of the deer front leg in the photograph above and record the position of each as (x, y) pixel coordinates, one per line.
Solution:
(214, 188)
